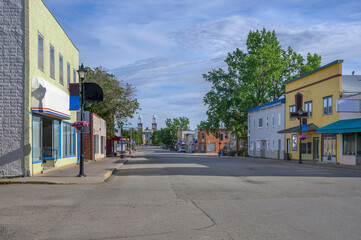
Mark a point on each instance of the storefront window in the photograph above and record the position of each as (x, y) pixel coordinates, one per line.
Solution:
(37, 139)
(68, 140)
(349, 144)
(294, 142)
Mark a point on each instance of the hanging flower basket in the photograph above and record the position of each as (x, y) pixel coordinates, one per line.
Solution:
(79, 125)
(302, 137)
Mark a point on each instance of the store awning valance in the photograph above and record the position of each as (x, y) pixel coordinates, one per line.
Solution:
(342, 126)
(310, 128)
(49, 100)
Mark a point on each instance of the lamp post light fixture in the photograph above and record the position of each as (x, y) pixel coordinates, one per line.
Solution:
(300, 114)
(82, 74)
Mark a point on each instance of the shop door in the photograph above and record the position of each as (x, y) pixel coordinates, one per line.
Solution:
(37, 140)
(329, 149)
(316, 147)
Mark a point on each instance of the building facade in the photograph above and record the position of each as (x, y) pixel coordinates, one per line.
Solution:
(214, 143)
(321, 89)
(39, 61)
(147, 133)
(264, 122)
(95, 139)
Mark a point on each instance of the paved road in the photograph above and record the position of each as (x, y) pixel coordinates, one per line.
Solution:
(167, 195)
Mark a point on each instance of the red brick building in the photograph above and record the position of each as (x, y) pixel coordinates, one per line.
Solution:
(94, 142)
(209, 143)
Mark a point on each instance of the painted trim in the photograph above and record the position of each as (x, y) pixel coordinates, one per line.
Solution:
(316, 70)
(49, 112)
(37, 162)
(268, 105)
(322, 80)
(50, 109)
(70, 156)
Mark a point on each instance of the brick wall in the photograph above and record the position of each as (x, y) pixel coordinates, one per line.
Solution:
(97, 126)
(12, 59)
(211, 139)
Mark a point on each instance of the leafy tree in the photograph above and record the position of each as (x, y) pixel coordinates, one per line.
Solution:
(163, 137)
(133, 134)
(119, 102)
(177, 124)
(252, 78)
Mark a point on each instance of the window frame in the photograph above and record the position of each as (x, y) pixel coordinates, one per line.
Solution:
(74, 75)
(67, 129)
(68, 75)
(52, 61)
(260, 122)
(61, 69)
(306, 107)
(293, 107)
(329, 107)
(294, 142)
(41, 52)
(344, 144)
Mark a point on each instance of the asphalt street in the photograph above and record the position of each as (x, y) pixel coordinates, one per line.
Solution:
(167, 195)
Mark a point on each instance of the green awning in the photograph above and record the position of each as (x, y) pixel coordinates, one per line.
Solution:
(342, 126)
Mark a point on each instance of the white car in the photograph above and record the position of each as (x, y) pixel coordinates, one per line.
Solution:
(182, 149)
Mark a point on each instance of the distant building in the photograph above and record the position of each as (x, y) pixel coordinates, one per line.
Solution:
(213, 143)
(95, 140)
(147, 133)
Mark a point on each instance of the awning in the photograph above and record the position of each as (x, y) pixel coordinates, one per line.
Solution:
(310, 128)
(49, 100)
(342, 126)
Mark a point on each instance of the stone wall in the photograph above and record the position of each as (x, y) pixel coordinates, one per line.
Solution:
(12, 59)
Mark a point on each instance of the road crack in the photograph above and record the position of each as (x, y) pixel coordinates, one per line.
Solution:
(207, 215)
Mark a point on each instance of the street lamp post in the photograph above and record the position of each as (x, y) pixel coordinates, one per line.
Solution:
(82, 73)
(300, 114)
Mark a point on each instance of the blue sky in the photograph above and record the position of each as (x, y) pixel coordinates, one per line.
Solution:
(162, 47)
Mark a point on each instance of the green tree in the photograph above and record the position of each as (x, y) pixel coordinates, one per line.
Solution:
(163, 137)
(252, 78)
(177, 124)
(119, 102)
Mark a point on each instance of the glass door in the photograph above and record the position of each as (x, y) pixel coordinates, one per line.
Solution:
(316, 147)
(329, 151)
(37, 139)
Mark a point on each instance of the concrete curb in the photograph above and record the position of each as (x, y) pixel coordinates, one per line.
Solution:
(63, 180)
(108, 174)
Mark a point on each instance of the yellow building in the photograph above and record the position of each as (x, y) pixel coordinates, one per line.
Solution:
(38, 62)
(320, 89)
(52, 63)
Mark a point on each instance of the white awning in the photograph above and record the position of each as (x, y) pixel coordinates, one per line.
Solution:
(49, 100)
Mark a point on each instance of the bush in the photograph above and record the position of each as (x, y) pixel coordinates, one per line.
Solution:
(232, 153)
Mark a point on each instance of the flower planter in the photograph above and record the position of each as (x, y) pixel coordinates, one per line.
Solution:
(302, 137)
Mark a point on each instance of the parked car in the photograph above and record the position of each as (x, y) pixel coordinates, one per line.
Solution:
(182, 149)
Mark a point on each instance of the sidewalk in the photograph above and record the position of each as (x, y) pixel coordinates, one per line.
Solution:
(95, 171)
(308, 163)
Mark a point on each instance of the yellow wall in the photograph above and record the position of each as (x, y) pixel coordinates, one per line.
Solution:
(315, 93)
(41, 20)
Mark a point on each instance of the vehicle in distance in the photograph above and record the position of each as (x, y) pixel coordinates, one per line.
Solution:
(182, 149)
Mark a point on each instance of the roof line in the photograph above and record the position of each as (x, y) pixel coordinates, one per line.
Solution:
(60, 25)
(269, 104)
(316, 70)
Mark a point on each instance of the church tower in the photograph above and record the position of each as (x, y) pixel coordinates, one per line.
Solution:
(140, 124)
(154, 123)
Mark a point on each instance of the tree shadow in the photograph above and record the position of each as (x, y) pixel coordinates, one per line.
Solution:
(225, 167)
